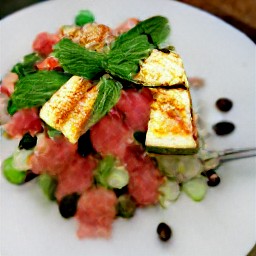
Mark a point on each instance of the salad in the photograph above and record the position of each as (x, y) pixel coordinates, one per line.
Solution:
(105, 121)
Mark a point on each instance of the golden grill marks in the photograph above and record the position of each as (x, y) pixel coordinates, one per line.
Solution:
(162, 69)
(171, 128)
(92, 36)
(70, 107)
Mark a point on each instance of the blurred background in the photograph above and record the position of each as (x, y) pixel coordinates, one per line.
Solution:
(239, 13)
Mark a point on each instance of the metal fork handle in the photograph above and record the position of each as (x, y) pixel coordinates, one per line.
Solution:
(232, 154)
(236, 151)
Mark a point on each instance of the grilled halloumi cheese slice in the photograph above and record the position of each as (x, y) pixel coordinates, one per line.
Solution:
(69, 109)
(171, 128)
(162, 69)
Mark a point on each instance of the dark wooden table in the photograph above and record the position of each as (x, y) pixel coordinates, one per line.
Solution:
(239, 13)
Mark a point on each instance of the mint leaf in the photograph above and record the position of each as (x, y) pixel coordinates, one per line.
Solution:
(109, 92)
(27, 66)
(156, 28)
(35, 89)
(125, 55)
(77, 60)
(11, 109)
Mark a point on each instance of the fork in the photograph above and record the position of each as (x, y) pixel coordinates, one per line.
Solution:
(212, 160)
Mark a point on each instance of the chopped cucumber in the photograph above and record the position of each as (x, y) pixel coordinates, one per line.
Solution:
(195, 188)
(168, 191)
(180, 168)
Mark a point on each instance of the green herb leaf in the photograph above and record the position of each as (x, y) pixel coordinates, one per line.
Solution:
(27, 66)
(77, 60)
(84, 17)
(35, 89)
(109, 92)
(125, 55)
(11, 109)
(156, 28)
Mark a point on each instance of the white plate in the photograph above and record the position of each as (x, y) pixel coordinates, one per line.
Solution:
(224, 223)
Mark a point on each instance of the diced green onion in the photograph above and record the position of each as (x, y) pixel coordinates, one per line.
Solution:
(118, 177)
(110, 174)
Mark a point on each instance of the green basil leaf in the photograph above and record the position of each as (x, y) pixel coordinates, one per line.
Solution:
(35, 89)
(77, 60)
(109, 92)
